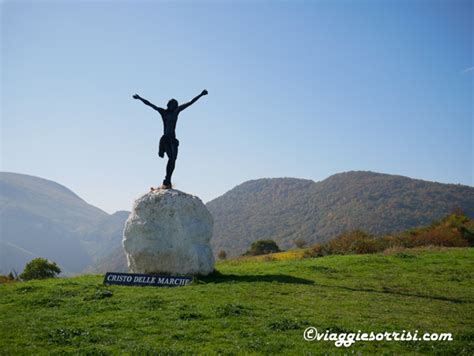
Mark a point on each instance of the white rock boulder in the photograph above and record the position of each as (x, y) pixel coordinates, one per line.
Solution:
(169, 231)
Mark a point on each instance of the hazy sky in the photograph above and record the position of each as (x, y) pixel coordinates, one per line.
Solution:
(297, 89)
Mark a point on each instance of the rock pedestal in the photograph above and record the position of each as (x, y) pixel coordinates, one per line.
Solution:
(169, 231)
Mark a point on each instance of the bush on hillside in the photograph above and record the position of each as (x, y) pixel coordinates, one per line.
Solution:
(461, 223)
(351, 242)
(317, 250)
(40, 268)
(262, 247)
(7, 278)
(354, 242)
(436, 237)
(453, 230)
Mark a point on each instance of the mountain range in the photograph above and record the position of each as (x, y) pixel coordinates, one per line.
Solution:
(43, 218)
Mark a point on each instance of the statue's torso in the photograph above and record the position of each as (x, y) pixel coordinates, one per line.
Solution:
(169, 122)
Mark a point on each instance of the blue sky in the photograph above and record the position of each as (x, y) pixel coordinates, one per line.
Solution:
(296, 89)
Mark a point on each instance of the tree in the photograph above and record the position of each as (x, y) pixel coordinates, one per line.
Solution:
(40, 268)
(222, 255)
(262, 247)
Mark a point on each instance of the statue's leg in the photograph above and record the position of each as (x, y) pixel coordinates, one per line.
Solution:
(169, 170)
(172, 153)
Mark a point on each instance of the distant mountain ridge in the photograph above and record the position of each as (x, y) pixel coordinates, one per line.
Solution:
(45, 198)
(286, 209)
(41, 218)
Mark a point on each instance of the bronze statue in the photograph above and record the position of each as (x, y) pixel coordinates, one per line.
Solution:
(168, 142)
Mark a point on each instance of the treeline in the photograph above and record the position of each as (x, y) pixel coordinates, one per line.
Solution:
(454, 230)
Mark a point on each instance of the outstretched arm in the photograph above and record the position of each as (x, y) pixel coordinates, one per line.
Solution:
(146, 102)
(184, 106)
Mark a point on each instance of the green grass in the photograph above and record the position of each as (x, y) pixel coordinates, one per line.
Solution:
(251, 306)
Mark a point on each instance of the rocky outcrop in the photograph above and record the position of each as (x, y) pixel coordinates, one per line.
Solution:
(169, 231)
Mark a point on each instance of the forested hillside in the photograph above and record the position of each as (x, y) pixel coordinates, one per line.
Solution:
(287, 209)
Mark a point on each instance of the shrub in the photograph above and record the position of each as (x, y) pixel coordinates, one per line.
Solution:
(462, 224)
(262, 247)
(10, 277)
(316, 250)
(40, 268)
(439, 237)
(222, 255)
(468, 233)
(4, 279)
(356, 241)
(453, 230)
(367, 245)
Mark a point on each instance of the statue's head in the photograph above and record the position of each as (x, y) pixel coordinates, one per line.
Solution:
(172, 104)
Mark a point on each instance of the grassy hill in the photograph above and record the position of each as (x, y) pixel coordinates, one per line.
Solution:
(287, 209)
(253, 305)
